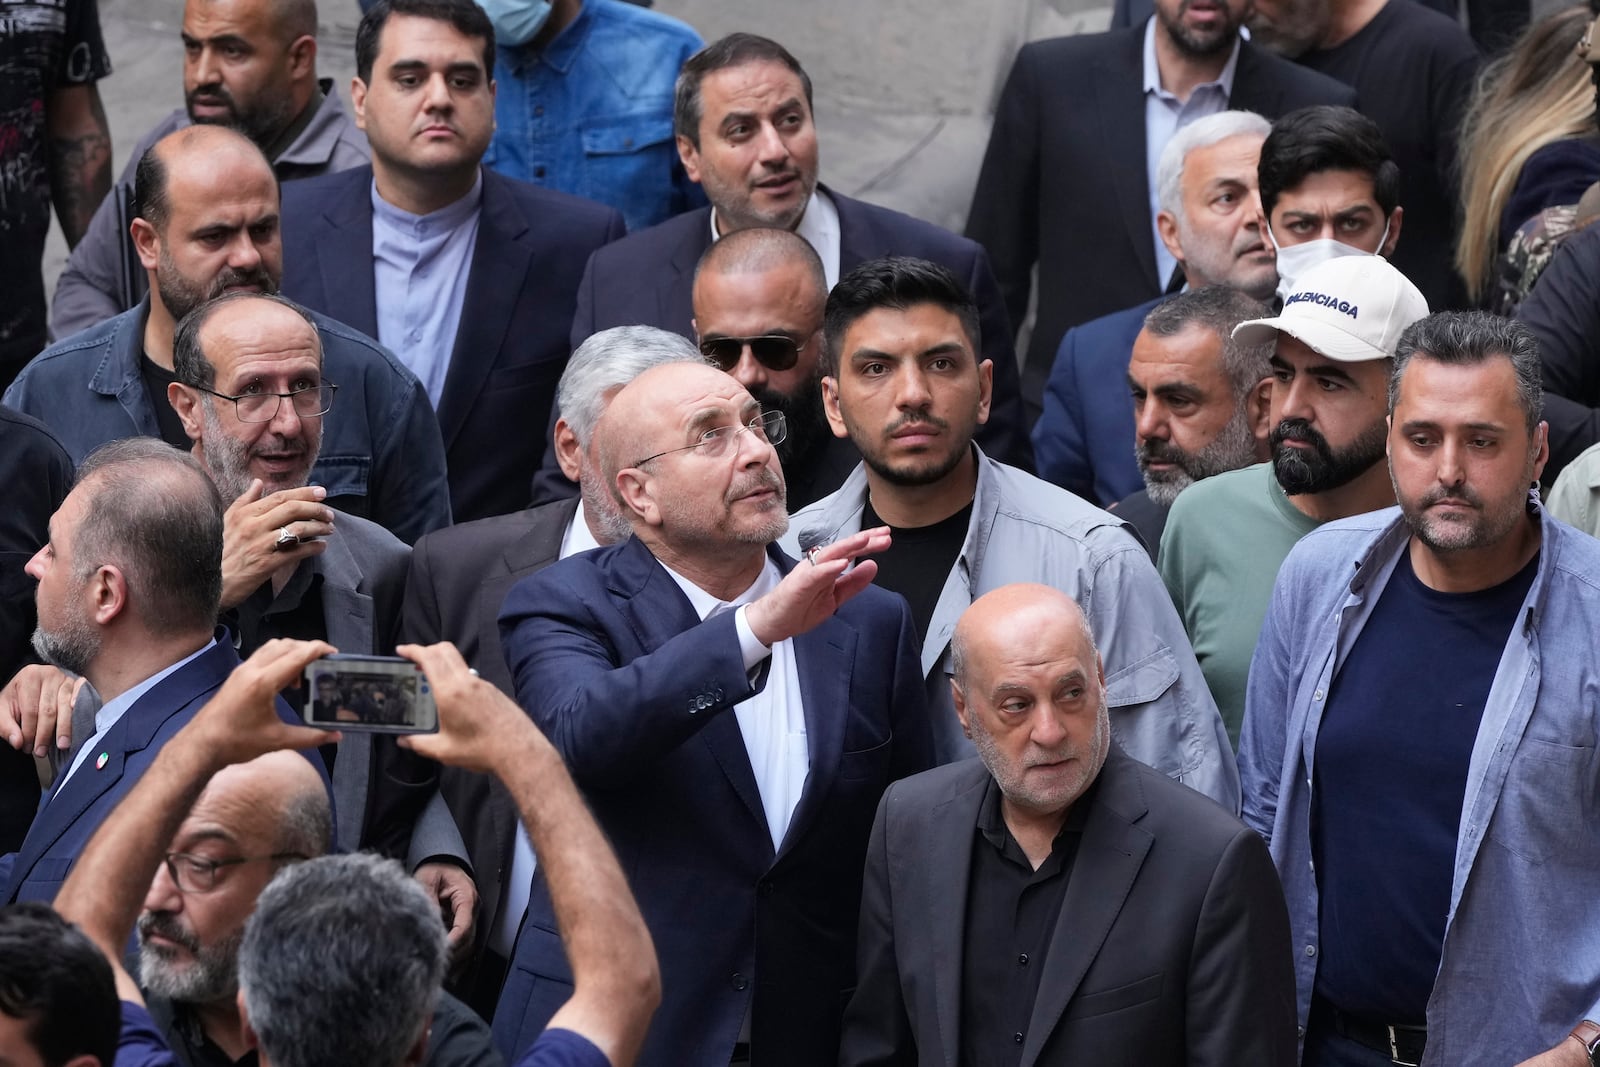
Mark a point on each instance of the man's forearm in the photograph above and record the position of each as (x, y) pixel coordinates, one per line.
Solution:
(80, 156)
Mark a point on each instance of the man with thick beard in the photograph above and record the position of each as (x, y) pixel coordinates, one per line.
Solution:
(758, 300)
(903, 380)
(733, 717)
(1226, 536)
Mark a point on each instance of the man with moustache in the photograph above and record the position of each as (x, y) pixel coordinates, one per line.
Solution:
(1226, 536)
(1054, 902)
(904, 382)
(250, 65)
(1210, 220)
(1419, 737)
(208, 222)
(1202, 400)
(733, 717)
(1078, 118)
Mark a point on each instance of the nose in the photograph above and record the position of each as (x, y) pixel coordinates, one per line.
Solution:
(438, 90)
(1293, 399)
(1046, 730)
(1150, 420)
(163, 894)
(1451, 471)
(749, 371)
(206, 67)
(911, 388)
(243, 254)
(773, 148)
(285, 423)
(35, 566)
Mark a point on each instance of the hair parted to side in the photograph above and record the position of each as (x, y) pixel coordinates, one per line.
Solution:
(465, 16)
(1324, 137)
(1218, 308)
(897, 283)
(1467, 338)
(734, 50)
(58, 985)
(609, 360)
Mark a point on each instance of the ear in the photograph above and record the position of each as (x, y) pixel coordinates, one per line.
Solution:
(1541, 449)
(985, 389)
(830, 406)
(1167, 230)
(1387, 251)
(147, 242)
(690, 157)
(186, 402)
(358, 102)
(960, 702)
(419, 1051)
(303, 57)
(1259, 409)
(247, 1033)
(1100, 669)
(633, 485)
(107, 590)
(567, 450)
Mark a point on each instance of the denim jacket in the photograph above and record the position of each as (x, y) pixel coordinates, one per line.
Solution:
(1027, 530)
(591, 114)
(1521, 959)
(382, 455)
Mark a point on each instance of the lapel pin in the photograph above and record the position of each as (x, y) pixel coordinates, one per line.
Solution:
(102, 760)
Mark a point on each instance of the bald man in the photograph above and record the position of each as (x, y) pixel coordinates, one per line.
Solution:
(758, 301)
(207, 222)
(250, 65)
(1053, 898)
(251, 820)
(733, 717)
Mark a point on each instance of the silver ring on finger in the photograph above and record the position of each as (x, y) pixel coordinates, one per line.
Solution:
(285, 539)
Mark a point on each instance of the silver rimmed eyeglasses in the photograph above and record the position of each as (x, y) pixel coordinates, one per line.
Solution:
(718, 441)
(308, 403)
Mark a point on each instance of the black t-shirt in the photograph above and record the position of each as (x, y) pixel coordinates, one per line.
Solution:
(919, 560)
(1145, 516)
(44, 45)
(156, 379)
(1412, 70)
(1390, 775)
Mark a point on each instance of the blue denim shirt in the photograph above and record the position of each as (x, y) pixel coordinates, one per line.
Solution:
(382, 454)
(591, 115)
(1521, 959)
(1026, 530)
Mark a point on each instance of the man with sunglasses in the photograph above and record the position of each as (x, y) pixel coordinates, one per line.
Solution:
(251, 396)
(733, 717)
(758, 299)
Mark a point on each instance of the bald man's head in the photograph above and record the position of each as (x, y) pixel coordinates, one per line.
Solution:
(180, 150)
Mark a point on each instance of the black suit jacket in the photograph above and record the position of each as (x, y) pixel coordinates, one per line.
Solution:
(459, 578)
(1064, 183)
(1172, 947)
(511, 346)
(648, 279)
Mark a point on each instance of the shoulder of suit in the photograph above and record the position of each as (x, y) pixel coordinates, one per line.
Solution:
(549, 206)
(470, 542)
(1264, 68)
(655, 244)
(920, 793)
(906, 235)
(1080, 46)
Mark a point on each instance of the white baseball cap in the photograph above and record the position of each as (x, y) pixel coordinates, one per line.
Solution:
(1351, 309)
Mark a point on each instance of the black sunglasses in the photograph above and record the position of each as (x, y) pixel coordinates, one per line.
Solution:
(773, 351)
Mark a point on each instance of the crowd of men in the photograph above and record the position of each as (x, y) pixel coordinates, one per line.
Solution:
(817, 682)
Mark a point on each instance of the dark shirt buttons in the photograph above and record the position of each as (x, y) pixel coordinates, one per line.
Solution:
(538, 172)
(741, 983)
(1023, 959)
(1017, 1037)
(765, 889)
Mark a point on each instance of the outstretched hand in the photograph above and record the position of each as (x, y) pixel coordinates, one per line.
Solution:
(817, 586)
(241, 722)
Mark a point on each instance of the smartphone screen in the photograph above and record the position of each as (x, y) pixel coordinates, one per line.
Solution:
(382, 694)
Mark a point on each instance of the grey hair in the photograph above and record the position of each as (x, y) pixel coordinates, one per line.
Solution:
(609, 360)
(1218, 308)
(341, 963)
(1467, 338)
(305, 824)
(190, 365)
(1201, 133)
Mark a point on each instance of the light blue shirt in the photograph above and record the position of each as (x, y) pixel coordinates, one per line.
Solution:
(420, 265)
(1521, 959)
(1165, 115)
(114, 709)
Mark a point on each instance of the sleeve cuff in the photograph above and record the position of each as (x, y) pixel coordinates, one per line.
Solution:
(749, 645)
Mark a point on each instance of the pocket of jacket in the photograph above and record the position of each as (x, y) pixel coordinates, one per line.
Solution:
(1130, 995)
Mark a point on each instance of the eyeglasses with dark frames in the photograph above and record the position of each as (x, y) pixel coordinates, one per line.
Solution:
(774, 351)
(197, 874)
(308, 403)
(769, 426)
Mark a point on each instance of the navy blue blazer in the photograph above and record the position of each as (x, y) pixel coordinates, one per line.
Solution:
(648, 279)
(511, 346)
(77, 807)
(1084, 441)
(611, 660)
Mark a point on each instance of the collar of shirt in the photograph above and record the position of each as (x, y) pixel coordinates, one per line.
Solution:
(1152, 71)
(992, 823)
(578, 538)
(819, 226)
(435, 224)
(705, 605)
(115, 708)
(562, 52)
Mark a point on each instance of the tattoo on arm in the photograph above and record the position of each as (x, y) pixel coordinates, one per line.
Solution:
(80, 157)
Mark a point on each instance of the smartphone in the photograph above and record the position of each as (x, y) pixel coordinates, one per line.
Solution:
(380, 694)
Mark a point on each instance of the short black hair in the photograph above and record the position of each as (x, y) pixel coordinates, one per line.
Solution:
(1470, 338)
(465, 16)
(734, 50)
(897, 283)
(55, 981)
(1314, 139)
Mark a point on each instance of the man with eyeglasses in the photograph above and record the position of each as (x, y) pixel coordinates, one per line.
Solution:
(251, 395)
(733, 717)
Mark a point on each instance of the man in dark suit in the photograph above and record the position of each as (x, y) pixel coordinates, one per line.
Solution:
(459, 578)
(733, 718)
(1068, 180)
(469, 277)
(1054, 898)
(128, 589)
(745, 133)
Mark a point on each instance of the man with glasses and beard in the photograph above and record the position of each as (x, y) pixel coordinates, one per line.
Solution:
(1226, 537)
(758, 300)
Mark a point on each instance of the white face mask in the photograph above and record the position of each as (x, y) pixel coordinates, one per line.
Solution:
(515, 21)
(1295, 260)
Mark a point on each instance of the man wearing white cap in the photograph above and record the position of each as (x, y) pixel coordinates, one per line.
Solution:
(1335, 342)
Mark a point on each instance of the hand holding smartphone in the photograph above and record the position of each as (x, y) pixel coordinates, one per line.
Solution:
(378, 694)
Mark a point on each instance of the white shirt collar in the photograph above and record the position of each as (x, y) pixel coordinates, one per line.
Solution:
(115, 708)
(705, 605)
(578, 538)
